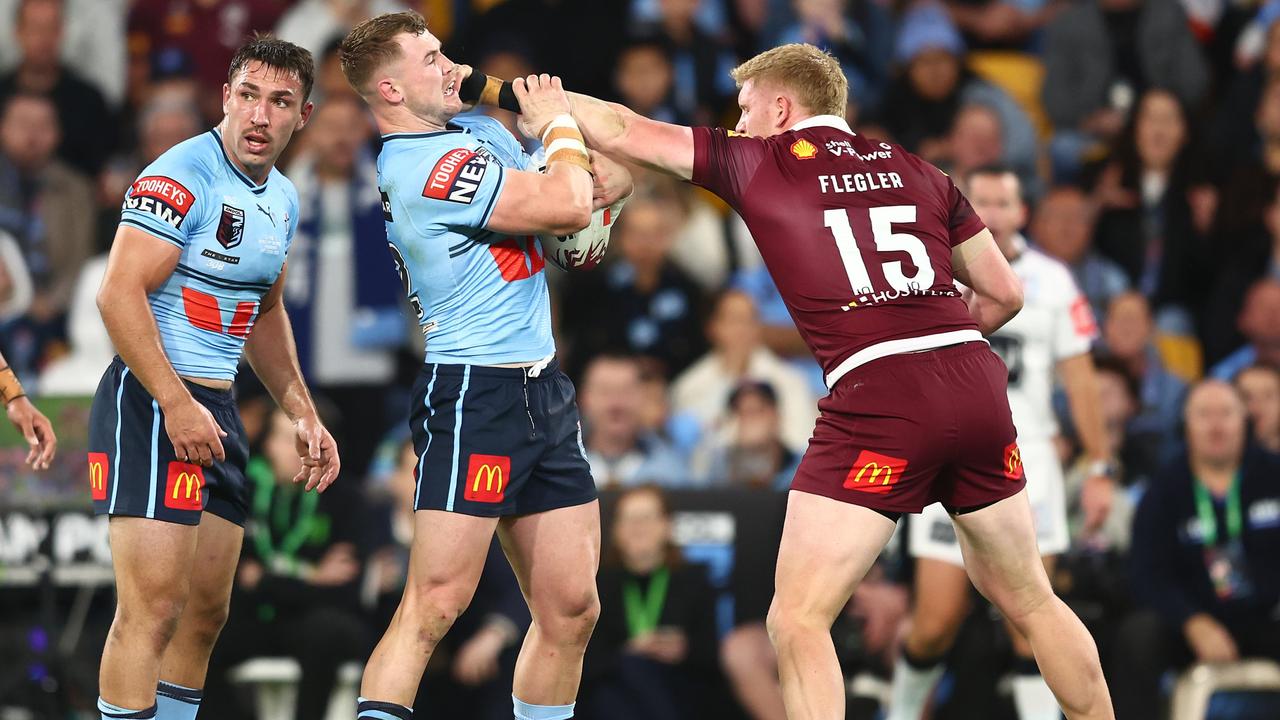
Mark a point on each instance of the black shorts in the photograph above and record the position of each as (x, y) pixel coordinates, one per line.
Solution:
(493, 442)
(132, 466)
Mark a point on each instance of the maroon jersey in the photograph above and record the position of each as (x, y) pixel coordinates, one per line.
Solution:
(856, 233)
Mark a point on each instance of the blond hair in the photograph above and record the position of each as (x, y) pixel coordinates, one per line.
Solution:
(811, 74)
(372, 44)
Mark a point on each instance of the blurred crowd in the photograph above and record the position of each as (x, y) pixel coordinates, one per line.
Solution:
(1146, 134)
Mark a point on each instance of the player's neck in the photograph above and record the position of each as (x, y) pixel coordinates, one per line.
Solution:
(400, 120)
(257, 175)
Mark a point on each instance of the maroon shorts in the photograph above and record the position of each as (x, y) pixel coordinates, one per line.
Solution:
(905, 431)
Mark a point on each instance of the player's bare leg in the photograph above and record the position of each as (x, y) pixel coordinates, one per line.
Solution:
(1000, 553)
(827, 547)
(444, 566)
(186, 661)
(1031, 695)
(941, 604)
(152, 562)
(555, 556)
(751, 664)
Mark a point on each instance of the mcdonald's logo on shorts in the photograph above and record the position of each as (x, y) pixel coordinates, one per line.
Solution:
(98, 475)
(487, 478)
(183, 491)
(875, 473)
(1012, 465)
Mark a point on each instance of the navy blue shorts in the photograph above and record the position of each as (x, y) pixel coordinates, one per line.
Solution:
(493, 441)
(132, 466)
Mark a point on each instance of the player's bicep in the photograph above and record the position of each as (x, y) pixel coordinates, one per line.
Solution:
(139, 259)
(535, 203)
(979, 264)
(660, 146)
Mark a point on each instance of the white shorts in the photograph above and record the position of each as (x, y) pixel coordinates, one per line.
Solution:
(932, 535)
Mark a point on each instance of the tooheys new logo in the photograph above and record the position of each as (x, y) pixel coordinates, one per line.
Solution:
(457, 175)
(163, 197)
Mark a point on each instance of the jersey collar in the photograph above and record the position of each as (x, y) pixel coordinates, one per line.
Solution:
(831, 121)
(255, 188)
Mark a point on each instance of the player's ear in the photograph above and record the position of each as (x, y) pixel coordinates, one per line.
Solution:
(226, 98)
(307, 109)
(782, 112)
(388, 91)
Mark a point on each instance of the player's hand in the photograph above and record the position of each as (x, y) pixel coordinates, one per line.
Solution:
(477, 659)
(319, 453)
(195, 435)
(1096, 498)
(1209, 639)
(462, 72)
(541, 99)
(36, 430)
(339, 566)
(612, 181)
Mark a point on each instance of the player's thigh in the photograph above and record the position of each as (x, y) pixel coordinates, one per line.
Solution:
(446, 559)
(1001, 555)
(827, 547)
(153, 563)
(555, 556)
(214, 569)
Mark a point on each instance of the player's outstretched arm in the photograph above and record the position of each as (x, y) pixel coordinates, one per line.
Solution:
(140, 263)
(272, 354)
(623, 134)
(1081, 383)
(29, 421)
(997, 292)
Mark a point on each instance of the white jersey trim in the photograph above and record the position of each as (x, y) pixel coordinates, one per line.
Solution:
(903, 345)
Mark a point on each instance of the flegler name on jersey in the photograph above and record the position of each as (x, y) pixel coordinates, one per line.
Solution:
(857, 234)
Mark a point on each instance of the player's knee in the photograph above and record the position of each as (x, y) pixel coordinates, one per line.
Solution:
(205, 623)
(570, 617)
(435, 607)
(786, 623)
(153, 619)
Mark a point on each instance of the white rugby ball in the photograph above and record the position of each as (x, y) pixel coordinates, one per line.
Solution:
(584, 249)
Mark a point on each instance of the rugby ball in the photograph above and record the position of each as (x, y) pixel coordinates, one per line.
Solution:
(584, 249)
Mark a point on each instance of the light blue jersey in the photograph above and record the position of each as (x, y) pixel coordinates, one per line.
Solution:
(481, 296)
(234, 235)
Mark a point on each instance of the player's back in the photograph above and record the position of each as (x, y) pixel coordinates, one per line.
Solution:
(481, 296)
(857, 233)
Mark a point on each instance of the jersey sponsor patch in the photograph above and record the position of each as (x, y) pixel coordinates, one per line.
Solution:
(98, 475)
(804, 150)
(184, 487)
(487, 478)
(230, 226)
(875, 473)
(1013, 462)
(1082, 318)
(456, 176)
(161, 196)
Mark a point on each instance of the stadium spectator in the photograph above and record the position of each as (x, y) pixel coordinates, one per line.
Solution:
(858, 33)
(1118, 397)
(748, 450)
(343, 297)
(654, 648)
(297, 589)
(700, 59)
(1127, 335)
(1259, 322)
(933, 84)
(704, 248)
(639, 302)
(1062, 226)
(1002, 24)
(1203, 565)
(207, 31)
(1100, 56)
(313, 24)
(88, 128)
(975, 141)
(738, 354)
(1260, 387)
(621, 453)
(47, 206)
(1233, 118)
(16, 289)
(1146, 225)
(92, 42)
(644, 77)
(1246, 252)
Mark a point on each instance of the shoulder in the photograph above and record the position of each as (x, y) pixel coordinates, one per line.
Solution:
(193, 159)
(285, 185)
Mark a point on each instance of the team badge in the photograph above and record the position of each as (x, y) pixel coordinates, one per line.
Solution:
(231, 226)
(875, 473)
(804, 150)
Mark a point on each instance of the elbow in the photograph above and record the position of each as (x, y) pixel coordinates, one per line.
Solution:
(1013, 299)
(573, 217)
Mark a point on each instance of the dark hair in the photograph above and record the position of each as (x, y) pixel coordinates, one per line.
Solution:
(21, 95)
(372, 44)
(759, 388)
(1125, 150)
(279, 54)
(673, 556)
(1107, 363)
(990, 170)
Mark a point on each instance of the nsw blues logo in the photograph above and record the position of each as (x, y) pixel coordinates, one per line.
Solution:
(231, 226)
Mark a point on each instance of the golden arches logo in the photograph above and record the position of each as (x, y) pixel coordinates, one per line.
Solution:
(97, 477)
(490, 473)
(1013, 461)
(191, 483)
(876, 469)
